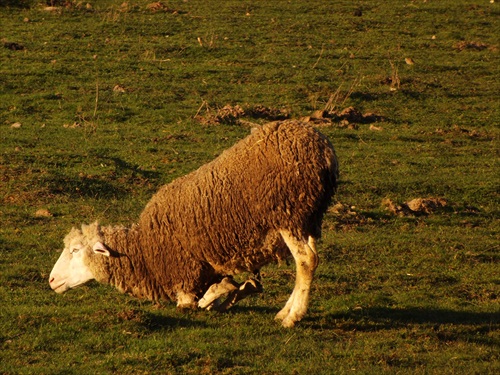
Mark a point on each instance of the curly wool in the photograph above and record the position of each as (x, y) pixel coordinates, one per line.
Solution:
(225, 217)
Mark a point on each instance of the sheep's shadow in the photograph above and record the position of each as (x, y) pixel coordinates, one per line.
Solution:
(379, 318)
(245, 309)
(156, 323)
(385, 318)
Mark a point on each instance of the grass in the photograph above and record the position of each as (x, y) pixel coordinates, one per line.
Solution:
(106, 96)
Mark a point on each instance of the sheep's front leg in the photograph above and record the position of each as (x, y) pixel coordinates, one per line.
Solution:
(209, 299)
(306, 261)
(235, 292)
(249, 287)
(186, 301)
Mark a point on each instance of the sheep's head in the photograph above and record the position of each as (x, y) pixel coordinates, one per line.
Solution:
(72, 269)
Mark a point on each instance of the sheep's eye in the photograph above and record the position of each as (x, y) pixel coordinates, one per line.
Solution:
(74, 250)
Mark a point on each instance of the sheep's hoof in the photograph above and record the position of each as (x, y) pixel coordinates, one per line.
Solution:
(216, 291)
(288, 322)
(282, 314)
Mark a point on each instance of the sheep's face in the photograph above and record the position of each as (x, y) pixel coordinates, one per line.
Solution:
(72, 269)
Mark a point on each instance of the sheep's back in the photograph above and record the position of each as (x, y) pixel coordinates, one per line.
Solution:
(228, 212)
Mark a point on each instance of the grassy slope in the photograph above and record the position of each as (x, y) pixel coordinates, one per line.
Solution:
(392, 294)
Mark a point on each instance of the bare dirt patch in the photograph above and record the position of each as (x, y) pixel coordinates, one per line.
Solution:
(346, 216)
(160, 6)
(470, 45)
(348, 117)
(236, 114)
(415, 207)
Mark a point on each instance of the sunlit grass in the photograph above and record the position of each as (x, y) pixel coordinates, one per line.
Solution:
(105, 98)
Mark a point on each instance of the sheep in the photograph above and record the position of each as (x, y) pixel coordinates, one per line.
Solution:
(258, 202)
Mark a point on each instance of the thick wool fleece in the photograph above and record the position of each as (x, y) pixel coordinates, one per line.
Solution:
(225, 217)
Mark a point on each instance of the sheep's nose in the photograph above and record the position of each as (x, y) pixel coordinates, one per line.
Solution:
(51, 280)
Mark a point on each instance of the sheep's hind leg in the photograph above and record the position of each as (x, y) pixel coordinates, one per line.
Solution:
(306, 260)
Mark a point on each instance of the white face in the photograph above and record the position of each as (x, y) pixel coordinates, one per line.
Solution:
(71, 269)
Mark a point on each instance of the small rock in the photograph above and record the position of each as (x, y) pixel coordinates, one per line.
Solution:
(16, 125)
(119, 88)
(426, 205)
(319, 114)
(71, 126)
(43, 213)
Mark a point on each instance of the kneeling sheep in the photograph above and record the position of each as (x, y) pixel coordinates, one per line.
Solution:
(258, 202)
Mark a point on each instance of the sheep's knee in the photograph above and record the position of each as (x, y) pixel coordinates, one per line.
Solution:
(186, 301)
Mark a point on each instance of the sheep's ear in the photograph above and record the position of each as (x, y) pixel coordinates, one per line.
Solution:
(100, 248)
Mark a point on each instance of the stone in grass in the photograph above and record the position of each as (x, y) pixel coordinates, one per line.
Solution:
(43, 212)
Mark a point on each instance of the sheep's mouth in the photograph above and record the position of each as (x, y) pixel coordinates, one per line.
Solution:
(60, 288)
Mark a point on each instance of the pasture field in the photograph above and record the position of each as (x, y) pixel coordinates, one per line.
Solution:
(102, 102)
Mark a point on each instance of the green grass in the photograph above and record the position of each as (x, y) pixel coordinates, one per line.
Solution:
(106, 97)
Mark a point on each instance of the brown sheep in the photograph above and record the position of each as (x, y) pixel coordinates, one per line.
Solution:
(258, 202)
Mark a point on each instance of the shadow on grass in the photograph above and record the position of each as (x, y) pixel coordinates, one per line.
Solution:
(443, 324)
(115, 185)
(261, 310)
(382, 318)
(156, 323)
(377, 318)
(123, 167)
(153, 322)
(76, 187)
(7, 246)
(16, 3)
